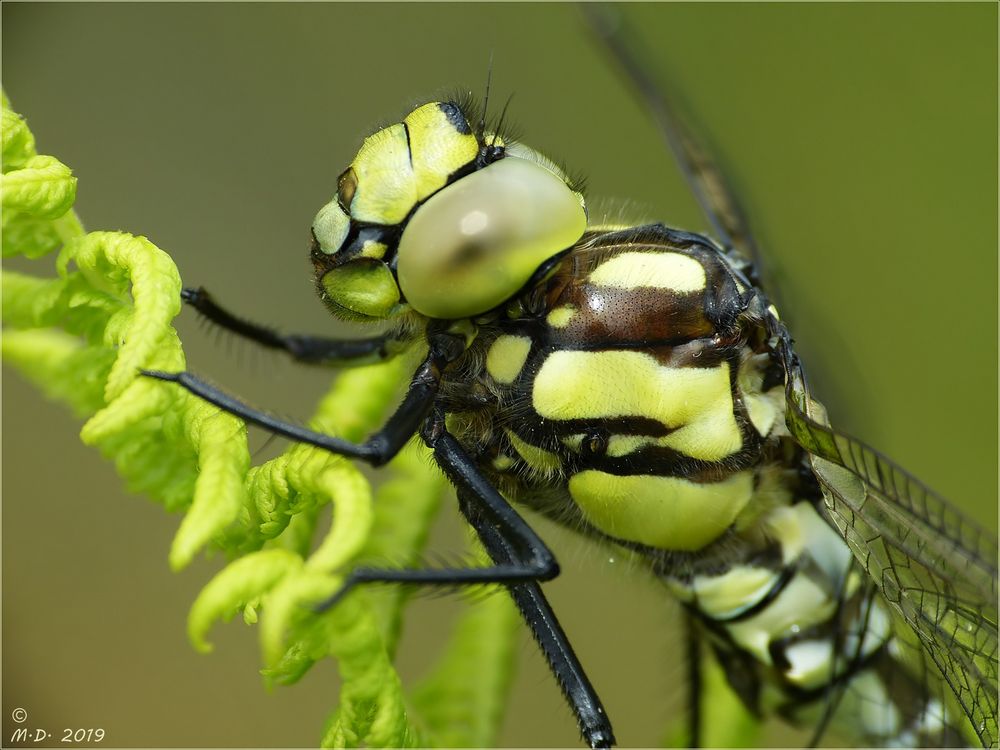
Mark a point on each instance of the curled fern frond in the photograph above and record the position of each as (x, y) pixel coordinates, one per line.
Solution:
(84, 333)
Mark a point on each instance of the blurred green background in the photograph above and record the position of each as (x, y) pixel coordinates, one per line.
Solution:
(862, 139)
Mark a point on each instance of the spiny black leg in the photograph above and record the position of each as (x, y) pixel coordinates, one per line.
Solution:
(548, 633)
(508, 539)
(542, 568)
(501, 573)
(467, 477)
(693, 637)
(531, 559)
(521, 559)
(381, 446)
(302, 348)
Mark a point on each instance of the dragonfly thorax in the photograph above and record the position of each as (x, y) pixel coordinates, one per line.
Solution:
(631, 384)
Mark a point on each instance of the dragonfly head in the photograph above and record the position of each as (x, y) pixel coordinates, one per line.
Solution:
(435, 218)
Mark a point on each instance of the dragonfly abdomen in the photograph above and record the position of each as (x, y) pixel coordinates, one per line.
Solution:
(799, 634)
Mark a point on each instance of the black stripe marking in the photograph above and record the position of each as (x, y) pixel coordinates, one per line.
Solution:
(787, 574)
(455, 116)
(409, 147)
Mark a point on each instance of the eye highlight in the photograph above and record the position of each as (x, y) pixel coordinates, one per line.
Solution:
(471, 246)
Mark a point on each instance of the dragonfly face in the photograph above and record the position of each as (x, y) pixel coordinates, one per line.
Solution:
(777, 210)
(441, 220)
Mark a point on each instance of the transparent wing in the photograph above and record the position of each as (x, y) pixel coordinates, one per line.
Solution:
(707, 182)
(936, 568)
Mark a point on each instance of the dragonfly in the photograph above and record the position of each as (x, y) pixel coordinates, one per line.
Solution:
(900, 634)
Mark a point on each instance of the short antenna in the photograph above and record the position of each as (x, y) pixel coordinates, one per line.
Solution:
(499, 127)
(486, 97)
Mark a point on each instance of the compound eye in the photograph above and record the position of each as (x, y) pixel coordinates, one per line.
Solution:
(475, 243)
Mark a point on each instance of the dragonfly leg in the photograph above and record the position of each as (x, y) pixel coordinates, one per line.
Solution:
(377, 449)
(529, 559)
(302, 348)
(693, 637)
(508, 538)
(552, 640)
